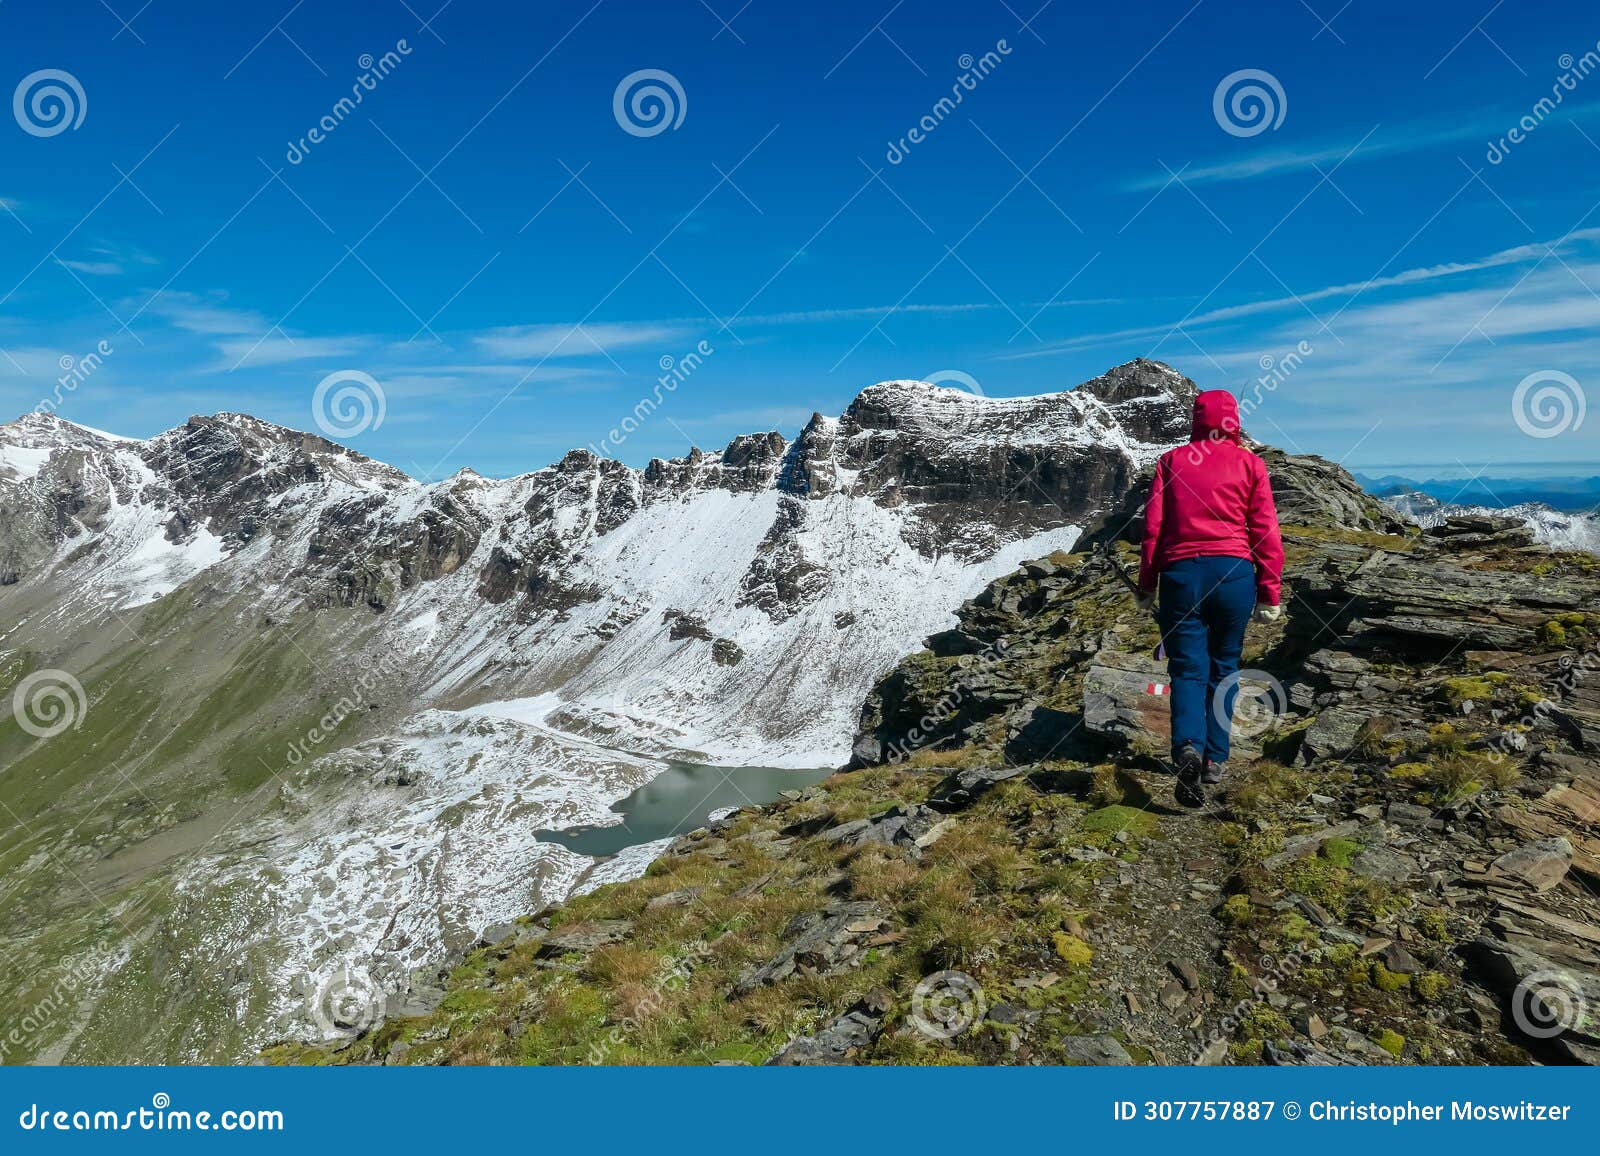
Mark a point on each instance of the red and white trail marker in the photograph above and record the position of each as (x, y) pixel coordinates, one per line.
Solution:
(1157, 688)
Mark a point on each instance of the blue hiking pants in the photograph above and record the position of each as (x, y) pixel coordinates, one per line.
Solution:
(1205, 605)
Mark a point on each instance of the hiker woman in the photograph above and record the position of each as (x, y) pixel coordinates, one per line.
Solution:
(1211, 539)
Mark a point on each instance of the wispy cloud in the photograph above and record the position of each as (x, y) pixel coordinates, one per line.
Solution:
(95, 268)
(1383, 141)
(31, 361)
(1436, 367)
(206, 315)
(107, 260)
(784, 418)
(804, 316)
(255, 352)
(528, 341)
(1517, 255)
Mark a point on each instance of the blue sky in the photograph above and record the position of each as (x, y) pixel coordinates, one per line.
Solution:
(484, 239)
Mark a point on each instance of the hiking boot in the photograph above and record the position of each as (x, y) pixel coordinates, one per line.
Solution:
(1190, 766)
(1213, 772)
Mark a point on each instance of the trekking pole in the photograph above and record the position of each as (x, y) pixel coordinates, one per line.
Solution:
(1133, 587)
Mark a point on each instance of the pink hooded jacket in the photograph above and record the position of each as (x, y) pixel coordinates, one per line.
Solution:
(1213, 497)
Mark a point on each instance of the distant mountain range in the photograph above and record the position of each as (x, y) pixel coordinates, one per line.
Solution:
(1566, 494)
(1563, 513)
(1553, 528)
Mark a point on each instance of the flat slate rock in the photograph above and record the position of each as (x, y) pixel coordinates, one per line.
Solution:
(1386, 865)
(833, 1044)
(585, 937)
(1541, 864)
(419, 1000)
(1096, 1051)
(1558, 1001)
(962, 788)
(820, 942)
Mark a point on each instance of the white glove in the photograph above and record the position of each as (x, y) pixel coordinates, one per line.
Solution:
(1147, 601)
(1266, 613)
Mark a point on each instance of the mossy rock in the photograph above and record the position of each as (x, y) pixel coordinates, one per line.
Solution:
(1340, 851)
(1235, 910)
(1456, 691)
(1385, 980)
(1263, 1022)
(1430, 985)
(1390, 1041)
(1552, 633)
(1072, 950)
(1435, 924)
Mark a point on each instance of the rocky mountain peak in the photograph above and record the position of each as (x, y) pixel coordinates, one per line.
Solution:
(1149, 399)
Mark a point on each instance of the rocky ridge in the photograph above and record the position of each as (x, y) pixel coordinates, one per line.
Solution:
(1400, 867)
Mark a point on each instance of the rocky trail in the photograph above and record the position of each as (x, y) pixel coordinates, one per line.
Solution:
(1401, 866)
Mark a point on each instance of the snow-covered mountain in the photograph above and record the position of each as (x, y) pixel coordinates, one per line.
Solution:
(327, 708)
(1550, 527)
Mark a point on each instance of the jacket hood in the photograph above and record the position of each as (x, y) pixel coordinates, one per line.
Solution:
(1216, 414)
